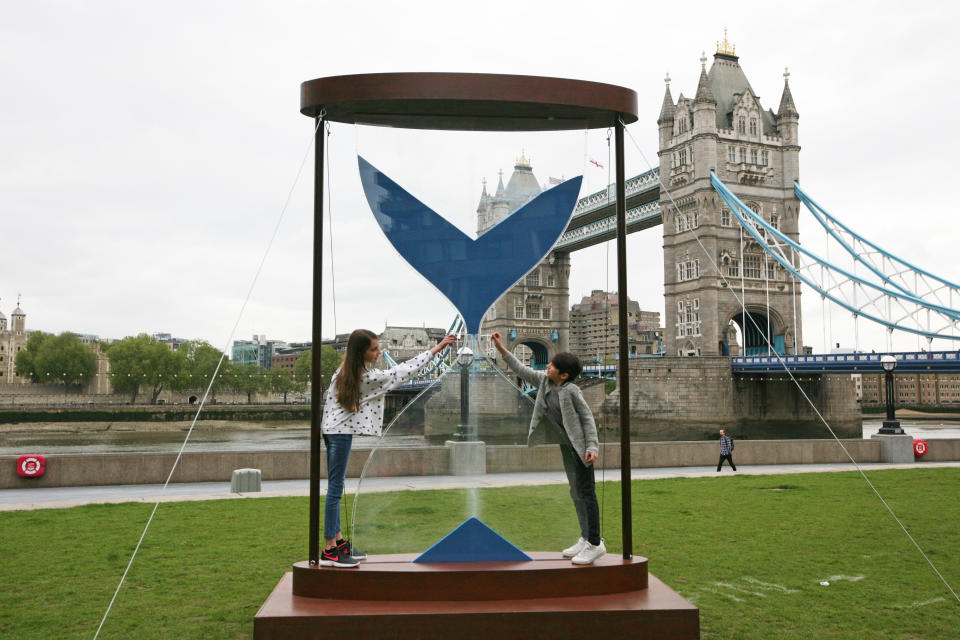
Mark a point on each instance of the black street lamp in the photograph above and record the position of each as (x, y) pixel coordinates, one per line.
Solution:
(464, 359)
(891, 426)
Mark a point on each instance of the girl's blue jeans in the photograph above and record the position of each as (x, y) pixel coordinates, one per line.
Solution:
(338, 455)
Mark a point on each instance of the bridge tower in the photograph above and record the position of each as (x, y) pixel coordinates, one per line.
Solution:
(756, 153)
(535, 312)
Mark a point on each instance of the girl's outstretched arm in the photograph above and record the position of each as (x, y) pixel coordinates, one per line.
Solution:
(447, 340)
(386, 380)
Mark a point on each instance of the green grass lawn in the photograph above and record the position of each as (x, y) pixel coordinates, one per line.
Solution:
(749, 551)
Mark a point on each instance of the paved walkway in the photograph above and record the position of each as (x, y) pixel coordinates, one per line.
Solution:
(60, 497)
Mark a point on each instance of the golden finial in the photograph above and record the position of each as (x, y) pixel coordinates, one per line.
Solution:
(726, 48)
(522, 161)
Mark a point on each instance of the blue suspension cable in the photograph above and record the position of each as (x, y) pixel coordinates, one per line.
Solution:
(739, 209)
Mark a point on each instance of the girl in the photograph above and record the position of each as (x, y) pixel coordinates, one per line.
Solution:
(354, 405)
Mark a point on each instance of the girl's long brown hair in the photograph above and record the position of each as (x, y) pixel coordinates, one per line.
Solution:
(347, 384)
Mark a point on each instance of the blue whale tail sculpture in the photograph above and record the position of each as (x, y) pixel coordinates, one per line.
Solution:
(472, 274)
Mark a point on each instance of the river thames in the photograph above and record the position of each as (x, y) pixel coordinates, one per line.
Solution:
(286, 439)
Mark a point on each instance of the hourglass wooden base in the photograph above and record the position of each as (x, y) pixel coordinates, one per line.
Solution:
(390, 596)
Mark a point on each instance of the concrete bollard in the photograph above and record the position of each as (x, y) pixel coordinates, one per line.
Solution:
(895, 448)
(245, 481)
(467, 458)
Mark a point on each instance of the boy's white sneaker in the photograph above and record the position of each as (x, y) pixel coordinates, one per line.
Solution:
(589, 553)
(570, 552)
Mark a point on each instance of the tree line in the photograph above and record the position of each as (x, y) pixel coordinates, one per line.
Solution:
(144, 367)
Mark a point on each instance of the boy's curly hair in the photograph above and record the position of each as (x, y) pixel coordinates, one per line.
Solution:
(566, 362)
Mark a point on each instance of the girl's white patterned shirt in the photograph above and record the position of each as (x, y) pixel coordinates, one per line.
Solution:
(374, 385)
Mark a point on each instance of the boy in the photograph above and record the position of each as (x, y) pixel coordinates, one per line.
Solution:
(561, 401)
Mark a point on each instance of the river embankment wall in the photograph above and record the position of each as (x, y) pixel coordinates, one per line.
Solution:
(153, 468)
(673, 398)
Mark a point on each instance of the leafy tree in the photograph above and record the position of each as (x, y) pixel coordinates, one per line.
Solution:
(284, 381)
(202, 359)
(330, 361)
(25, 361)
(249, 379)
(141, 363)
(60, 359)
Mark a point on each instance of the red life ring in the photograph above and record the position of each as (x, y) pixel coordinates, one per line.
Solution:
(919, 447)
(31, 466)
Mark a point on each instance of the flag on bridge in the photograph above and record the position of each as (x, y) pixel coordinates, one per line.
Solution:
(556, 180)
(592, 161)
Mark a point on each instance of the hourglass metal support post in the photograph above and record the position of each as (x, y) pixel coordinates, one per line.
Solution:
(623, 362)
(316, 386)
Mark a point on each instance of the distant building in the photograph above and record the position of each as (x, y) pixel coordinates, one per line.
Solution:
(913, 389)
(339, 343)
(258, 351)
(285, 357)
(403, 343)
(13, 338)
(595, 328)
(172, 343)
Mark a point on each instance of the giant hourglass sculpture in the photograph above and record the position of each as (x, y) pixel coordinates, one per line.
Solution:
(468, 427)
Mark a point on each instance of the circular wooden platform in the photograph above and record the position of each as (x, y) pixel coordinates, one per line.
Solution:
(398, 578)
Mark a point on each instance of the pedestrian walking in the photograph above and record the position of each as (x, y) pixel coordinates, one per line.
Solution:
(726, 450)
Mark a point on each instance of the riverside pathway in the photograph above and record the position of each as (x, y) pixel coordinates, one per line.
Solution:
(62, 497)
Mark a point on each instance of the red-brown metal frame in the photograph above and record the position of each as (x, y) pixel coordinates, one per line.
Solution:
(474, 102)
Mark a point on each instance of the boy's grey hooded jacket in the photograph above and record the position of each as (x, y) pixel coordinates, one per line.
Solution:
(577, 418)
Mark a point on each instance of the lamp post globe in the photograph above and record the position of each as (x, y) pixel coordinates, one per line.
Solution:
(891, 426)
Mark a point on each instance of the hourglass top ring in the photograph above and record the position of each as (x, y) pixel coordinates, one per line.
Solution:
(468, 101)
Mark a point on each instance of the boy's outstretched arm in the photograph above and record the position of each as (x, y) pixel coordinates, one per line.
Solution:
(526, 373)
(497, 340)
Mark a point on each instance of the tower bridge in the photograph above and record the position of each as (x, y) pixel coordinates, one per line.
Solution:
(594, 218)
(726, 198)
(722, 130)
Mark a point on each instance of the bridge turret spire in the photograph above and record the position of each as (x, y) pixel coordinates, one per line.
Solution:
(704, 94)
(787, 108)
(667, 110)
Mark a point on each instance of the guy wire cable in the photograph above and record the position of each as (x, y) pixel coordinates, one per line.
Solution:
(213, 377)
(327, 187)
(797, 384)
(606, 326)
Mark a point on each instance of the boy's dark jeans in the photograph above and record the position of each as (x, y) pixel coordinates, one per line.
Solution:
(583, 490)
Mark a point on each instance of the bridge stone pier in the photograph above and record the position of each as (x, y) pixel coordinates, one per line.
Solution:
(677, 398)
(499, 412)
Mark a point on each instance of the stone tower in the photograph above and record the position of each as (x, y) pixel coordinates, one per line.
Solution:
(756, 154)
(535, 312)
(13, 338)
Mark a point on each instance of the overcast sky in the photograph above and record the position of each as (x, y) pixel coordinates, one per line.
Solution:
(147, 149)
